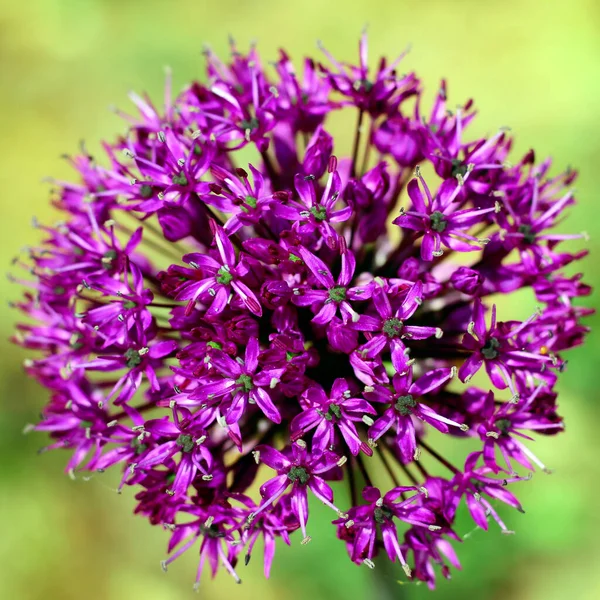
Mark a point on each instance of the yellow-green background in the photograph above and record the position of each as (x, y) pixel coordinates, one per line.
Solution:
(531, 64)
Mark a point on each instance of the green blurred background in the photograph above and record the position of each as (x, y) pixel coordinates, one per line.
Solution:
(533, 65)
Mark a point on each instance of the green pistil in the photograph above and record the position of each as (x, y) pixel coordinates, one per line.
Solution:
(298, 474)
(138, 447)
(363, 85)
(438, 221)
(459, 168)
(381, 514)
(250, 201)
(319, 212)
(334, 411)
(215, 345)
(405, 405)
(211, 532)
(251, 124)
(185, 442)
(86, 424)
(76, 341)
(490, 349)
(146, 191)
(180, 179)
(291, 355)
(503, 425)
(245, 382)
(129, 304)
(337, 293)
(294, 258)
(528, 236)
(108, 258)
(224, 276)
(393, 327)
(133, 358)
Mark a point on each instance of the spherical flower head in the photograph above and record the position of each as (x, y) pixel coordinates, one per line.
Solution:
(215, 327)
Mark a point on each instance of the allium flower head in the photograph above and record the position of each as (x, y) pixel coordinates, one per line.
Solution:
(234, 299)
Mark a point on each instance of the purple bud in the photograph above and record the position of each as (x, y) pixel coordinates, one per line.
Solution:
(275, 293)
(467, 280)
(318, 152)
(175, 222)
(402, 138)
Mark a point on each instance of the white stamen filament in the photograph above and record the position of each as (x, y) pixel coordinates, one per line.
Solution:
(369, 563)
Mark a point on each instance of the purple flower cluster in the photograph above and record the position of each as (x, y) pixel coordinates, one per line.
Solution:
(234, 298)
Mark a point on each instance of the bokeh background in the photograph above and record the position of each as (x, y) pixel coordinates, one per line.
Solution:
(533, 65)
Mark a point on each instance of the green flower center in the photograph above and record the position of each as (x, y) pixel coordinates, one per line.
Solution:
(132, 358)
(458, 167)
(405, 404)
(251, 124)
(245, 382)
(333, 411)
(180, 179)
(138, 447)
(224, 276)
(337, 293)
(76, 341)
(146, 191)
(363, 85)
(251, 201)
(319, 212)
(185, 442)
(108, 258)
(438, 221)
(211, 532)
(393, 327)
(528, 236)
(381, 514)
(503, 425)
(490, 349)
(298, 474)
